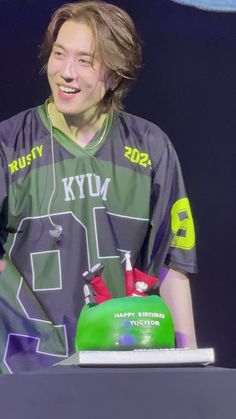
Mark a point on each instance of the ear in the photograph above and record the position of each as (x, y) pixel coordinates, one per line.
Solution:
(113, 80)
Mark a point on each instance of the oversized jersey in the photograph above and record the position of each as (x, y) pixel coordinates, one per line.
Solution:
(122, 194)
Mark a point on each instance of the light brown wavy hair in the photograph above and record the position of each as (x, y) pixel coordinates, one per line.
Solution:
(116, 43)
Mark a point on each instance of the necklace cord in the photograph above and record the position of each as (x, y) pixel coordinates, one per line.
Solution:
(102, 136)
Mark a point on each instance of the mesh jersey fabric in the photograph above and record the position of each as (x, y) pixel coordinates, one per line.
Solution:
(110, 199)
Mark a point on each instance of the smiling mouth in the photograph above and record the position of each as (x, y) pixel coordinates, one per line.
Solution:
(69, 90)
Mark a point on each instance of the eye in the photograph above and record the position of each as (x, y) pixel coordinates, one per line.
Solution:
(86, 62)
(57, 53)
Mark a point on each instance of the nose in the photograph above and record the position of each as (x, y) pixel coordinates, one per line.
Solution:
(69, 71)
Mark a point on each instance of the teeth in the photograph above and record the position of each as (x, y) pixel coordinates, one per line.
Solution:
(68, 89)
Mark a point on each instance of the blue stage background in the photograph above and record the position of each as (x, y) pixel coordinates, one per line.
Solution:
(188, 87)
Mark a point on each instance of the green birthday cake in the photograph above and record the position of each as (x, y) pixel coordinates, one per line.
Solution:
(124, 324)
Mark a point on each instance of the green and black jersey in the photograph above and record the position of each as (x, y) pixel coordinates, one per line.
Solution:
(124, 193)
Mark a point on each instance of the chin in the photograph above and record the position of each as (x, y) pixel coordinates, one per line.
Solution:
(65, 109)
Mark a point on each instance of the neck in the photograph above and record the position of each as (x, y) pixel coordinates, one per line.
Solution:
(83, 129)
(80, 128)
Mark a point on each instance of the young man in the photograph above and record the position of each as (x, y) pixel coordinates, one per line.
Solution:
(83, 182)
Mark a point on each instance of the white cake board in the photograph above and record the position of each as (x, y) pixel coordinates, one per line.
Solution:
(148, 357)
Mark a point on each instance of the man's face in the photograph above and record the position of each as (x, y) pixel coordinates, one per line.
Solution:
(77, 83)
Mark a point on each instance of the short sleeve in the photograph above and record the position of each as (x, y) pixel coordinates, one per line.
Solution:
(171, 238)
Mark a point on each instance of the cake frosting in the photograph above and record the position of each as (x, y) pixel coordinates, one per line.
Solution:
(124, 324)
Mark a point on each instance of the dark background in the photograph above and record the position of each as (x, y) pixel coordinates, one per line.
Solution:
(188, 87)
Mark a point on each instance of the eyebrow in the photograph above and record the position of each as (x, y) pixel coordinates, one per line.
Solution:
(84, 53)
